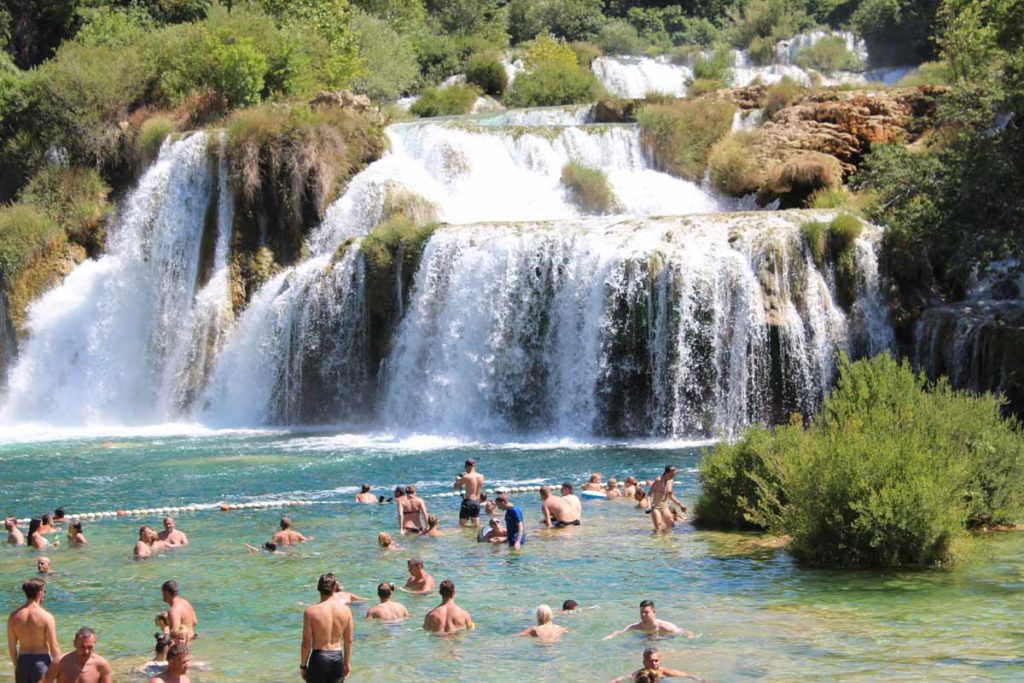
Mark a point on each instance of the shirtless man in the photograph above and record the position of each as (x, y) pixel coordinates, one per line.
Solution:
(447, 617)
(81, 666)
(652, 662)
(661, 496)
(43, 565)
(46, 526)
(412, 512)
(494, 533)
(419, 581)
(572, 499)
(388, 610)
(545, 630)
(14, 535)
(170, 535)
(558, 513)
(650, 624)
(472, 483)
(629, 487)
(32, 635)
(612, 490)
(148, 543)
(326, 628)
(179, 611)
(364, 495)
(595, 483)
(287, 535)
(177, 666)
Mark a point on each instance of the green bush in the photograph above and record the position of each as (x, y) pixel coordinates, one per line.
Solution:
(619, 37)
(830, 198)
(450, 101)
(929, 73)
(589, 188)
(703, 86)
(25, 231)
(732, 166)
(785, 93)
(696, 31)
(834, 241)
(389, 62)
(151, 137)
(761, 50)
(769, 20)
(566, 19)
(585, 53)
(73, 198)
(554, 83)
(828, 55)
(715, 67)
(815, 237)
(679, 135)
(488, 74)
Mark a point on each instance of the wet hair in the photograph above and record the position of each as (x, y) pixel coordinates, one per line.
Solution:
(447, 589)
(432, 521)
(595, 477)
(163, 642)
(567, 485)
(84, 632)
(143, 528)
(170, 587)
(669, 468)
(381, 499)
(651, 651)
(483, 497)
(410, 490)
(327, 584)
(76, 527)
(33, 525)
(384, 539)
(58, 513)
(415, 562)
(470, 463)
(647, 676)
(272, 547)
(365, 488)
(32, 588)
(631, 479)
(569, 605)
(544, 615)
(612, 481)
(647, 603)
(384, 590)
(399, 492)
(177, 649)
(10, 522)
(285, 523)
(47, 519)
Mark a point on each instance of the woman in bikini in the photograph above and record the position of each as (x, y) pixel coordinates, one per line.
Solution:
(412, 512)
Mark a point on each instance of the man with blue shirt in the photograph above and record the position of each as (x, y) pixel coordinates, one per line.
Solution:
(514, 524)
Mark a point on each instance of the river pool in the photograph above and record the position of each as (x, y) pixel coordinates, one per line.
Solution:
(758, 615)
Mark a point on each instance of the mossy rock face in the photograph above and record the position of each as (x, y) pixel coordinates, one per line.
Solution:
(8, 339)
(249, 272)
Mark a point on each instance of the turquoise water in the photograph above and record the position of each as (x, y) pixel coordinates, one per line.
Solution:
(759, 616)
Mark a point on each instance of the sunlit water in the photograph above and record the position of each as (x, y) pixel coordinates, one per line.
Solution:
(759, 616)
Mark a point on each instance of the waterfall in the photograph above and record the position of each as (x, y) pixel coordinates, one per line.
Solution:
(635, 77)
(674, 327)
(100, 346)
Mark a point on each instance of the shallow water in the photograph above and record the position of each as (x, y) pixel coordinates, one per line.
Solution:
(759, 616)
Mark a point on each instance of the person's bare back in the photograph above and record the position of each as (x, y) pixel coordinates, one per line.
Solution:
(326, 629)
(447, 618)
(387, 610)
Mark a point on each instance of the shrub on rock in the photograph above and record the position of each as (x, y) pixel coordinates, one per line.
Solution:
(679, 135)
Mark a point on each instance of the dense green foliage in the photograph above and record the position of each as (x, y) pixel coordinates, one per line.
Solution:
(733, 169)
(487, 73)
(679, 135)
(456, 99)
(890, 473)
(589, 188)
(73, 198)
(553, 76)
(389, 66)
(828, 55)
(24, 232)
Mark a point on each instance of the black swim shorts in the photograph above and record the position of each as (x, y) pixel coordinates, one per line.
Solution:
(326, 666)
(31, 668)
(470, 509)
(558, 524)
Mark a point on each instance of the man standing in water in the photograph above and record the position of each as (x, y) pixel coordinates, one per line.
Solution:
(650, 624)
(180, 613)
(177, 666)
(364, 495)
(514, 525)
(661, 496)
(388, 610)
(81, 666)
(558, 512)
(652, 662)
(287, 535)
(419, 581)
(447, 617)
(14, 535)
(473, 484)
(32, 635)
(326, 627)
(171, 535)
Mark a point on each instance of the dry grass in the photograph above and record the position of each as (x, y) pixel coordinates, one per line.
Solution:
(733, 169)
(589, 188)
(679, 135)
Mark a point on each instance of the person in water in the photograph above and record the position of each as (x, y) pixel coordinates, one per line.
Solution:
(171, 535)
(432, 527)
(268, 547)
(14, 535)
(59, 516)
(46, 522)
(545, 630)
(177, 666)
(493, 532)
(387, 610)
(32, 635)
(569, 606)
(629, 487)
(158, 664)
(286, 535)
(515, 527)
(327, 628)
(447, 618)
(419, 582)
(412, 512)
(652, 670)
(384, 540)
(661, 497)
(75, 536)
(558, 512)
(36, 539)
(180, 614)
(594, 484)
(365, 496)
(81, 666)
(344, 596)
(472, 484)
(612, 489)
(43, 565)
(572, 499)
(148, 543)
(650, 623)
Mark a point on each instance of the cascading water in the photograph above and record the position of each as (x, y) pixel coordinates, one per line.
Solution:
(102, 344)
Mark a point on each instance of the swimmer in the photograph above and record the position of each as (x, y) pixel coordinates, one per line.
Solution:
(388, 610)
(287, 535)
(493, 532)
(46, 527)
(180, 614)
(412, 512)
(177, 666)
(172, 536)
(569, 606)
(432, 524)
(35, 536)
(14, 535)
(326, 629)
(81, 666)
(612, 490)
(572, 499)
(364, 495)
(515, 527)
(75, 536)
(652, 665)
(267, 547)
(385, 541)
(594, 484)
(162, 622)
(490, 508)
(32, 635)
(545, 630)
(158, 664)
(640, 497)
(629, 487)
(148, 543)
(472, 483)
(59, 516)
(661, 495)
(650, 624)
(558, 512)
(344, 596)
(419, 581)
(447, 618)
(43, 565)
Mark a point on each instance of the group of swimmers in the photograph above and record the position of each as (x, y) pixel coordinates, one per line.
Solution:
(39, 527)
(326, 651)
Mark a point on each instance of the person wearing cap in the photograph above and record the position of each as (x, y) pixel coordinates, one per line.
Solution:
(388, 610)
(515, 527)
(326, 652)
(472, 483)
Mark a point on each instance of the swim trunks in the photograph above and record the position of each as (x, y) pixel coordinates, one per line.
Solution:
(470, 509)
(558, 524)
(31, 668)
(326, 666)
